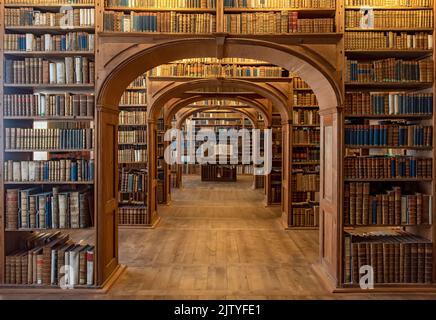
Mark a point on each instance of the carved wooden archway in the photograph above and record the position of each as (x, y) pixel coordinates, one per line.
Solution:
(125, 58)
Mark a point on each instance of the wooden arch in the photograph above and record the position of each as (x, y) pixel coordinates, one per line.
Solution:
(125, 58)
(179, 104)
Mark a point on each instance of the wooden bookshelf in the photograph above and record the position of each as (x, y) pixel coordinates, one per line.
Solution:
(12, 238)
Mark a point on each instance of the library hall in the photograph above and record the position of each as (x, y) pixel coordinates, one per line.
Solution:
(217, 150)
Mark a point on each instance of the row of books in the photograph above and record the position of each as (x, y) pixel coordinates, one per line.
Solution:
(276, 192)
(305, 99)
(215, 115)
(133, 216)
(388, 103)
(389, 208)
(133, 180)
(389, 3)
(68, 18)
(244, 169)
(279, 4)
(304, 182)
(310, 117)
(388, 40)
(379, 167)
(132, 198)
(389, 134)
(395, 257)
(49, 105)
(390, 70)
(133, 135)
(129, 154)
(132, 117)
(68, 70)
(214, 70)
(305, 198)
(305, 217)
(139, 82)
(305, 136)
(212, 60)
(392, 18)
(305, 155)
(71, 41)
(298, 83)
(168, 4)
(168, 22)
(275, 23)
(49, 170)
(134, 97)
(49, 2)
(210, 172)
(51, 259)
(31, 208)
(29, 139)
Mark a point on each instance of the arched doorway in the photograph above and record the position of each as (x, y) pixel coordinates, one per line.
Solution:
(127, 64)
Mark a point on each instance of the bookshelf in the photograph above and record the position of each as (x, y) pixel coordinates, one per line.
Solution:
(305, 158)
(48, 163)
(388, 183)
(132, 156)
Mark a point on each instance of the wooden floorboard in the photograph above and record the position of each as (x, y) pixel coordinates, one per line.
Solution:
(218, 241)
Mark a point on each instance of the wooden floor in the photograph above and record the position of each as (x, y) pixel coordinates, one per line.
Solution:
(218, 241)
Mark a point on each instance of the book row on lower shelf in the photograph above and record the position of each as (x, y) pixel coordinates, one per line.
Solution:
(388, 103)
(304, 182)
(389, 134)
(383, 3)
(305, 99)
(70, 17)
(396, 206)
(48, 105)
(133, 98)
(34, 208)
(278, 4)
(133, 117)
(392, 18)
(130, 154)
(395, 257)
(388, 167)
(309, 117)
(388, 40)
(211, 172)
(133, 180)
(305, 155)
(389, 70)
(29, 42)
(58, 139)
(56, 170)
(306, 136)
(51, 2)
(169, 4)
(51, 259)
(305, 217)
(67, 70)
(133, 216)
(132, 135)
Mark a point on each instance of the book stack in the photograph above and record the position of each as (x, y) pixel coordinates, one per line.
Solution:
(390, 70)
(56, 209)
(392, 103)
(68, 70)
(305, 99)
(389, 208)
(388, 40)
(395, 256)
(306, 136)
(48, 139)
(134, 98)
(394, 134)
(217, 69)
(48, 105)
(71, 41)
(69, 18)
(271, 4)
(307, 117)
(45, 259)
(387, 167)
(61, 170)
(133, 216)
(169, 4)
(162, 22)
(133, 118)
(275, 23)
(392, 19)
(132, 135)
(304, 182)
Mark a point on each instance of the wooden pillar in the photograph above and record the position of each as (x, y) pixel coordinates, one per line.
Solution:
(286, 170)
(331, 195)
(106, 191)
(152, 170)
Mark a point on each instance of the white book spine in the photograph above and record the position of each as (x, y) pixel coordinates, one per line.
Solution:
(52, 75)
